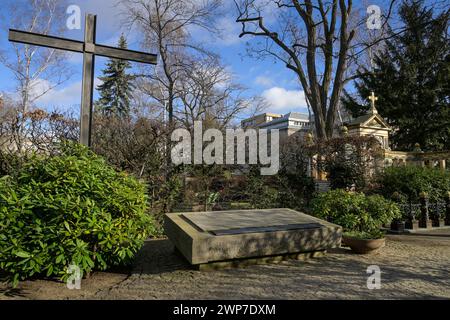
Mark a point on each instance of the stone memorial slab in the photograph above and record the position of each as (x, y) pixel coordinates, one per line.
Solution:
(243, 221)
(221, 236)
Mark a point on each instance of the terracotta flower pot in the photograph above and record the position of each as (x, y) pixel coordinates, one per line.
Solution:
(363, 246)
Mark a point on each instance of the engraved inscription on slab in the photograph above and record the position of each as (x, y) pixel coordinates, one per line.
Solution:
(239, 221)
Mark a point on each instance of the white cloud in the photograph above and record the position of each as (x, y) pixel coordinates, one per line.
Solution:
(228, 33)
(59, 97)
(229, 30)
(62, 97)
(264, 81)
(283, 100)
(107, 11)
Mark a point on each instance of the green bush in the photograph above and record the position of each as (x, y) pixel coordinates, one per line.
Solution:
(260, 194)
(349, 161)
(70, 209)
(355, 212)
(410, 181)
(364, 235)
(344, 174)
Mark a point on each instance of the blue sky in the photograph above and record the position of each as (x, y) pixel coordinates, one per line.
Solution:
(264, 78)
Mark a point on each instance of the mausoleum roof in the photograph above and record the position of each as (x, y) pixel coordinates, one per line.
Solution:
(366, 121)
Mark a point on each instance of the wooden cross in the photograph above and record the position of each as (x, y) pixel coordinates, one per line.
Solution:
(372, 99)
(89, 49)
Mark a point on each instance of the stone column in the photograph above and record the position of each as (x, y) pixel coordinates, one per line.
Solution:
(442, 164)
(418, 156)
(309, 171)
(424, 220)
(421, 163)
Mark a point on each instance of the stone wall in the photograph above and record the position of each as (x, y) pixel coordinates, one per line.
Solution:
(417, 158)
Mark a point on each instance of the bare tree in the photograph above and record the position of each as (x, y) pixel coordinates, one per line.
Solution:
(207, 92)
(40, 131)
(36, 70)
(314, 39)
(165, 26)
(134, 143)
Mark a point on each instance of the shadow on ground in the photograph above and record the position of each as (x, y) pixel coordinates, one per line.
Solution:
(409, 271)
(412, 268)
(13, 292)
(159, 256)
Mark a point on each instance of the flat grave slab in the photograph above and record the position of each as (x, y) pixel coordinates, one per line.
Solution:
(237, 222)
(220, 236)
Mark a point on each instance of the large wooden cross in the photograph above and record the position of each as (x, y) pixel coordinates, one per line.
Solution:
(89, 49)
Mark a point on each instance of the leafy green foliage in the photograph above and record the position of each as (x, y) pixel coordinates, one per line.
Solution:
(343, 174)
(355, 211)
(259, 192)
(295, 189)
(9, 163)
(165, 193)
(70, 209)
(364, 235)
(349, 161)
(290, 188)
(411, 78)
(410, 181)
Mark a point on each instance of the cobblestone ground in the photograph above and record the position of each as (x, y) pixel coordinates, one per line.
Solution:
(412, 267)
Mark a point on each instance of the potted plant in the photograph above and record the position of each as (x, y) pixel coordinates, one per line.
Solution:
(399, 224)
(364, 242)
(360, 216)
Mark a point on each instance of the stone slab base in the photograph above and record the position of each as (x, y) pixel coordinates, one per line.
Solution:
(219, 236)
(242, 263)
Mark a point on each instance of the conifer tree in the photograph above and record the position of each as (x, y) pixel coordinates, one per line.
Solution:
(117, 86)
(411, 79)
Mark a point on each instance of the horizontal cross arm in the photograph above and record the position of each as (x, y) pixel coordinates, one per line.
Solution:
(45, 41)
(79, 46)
(125, 54)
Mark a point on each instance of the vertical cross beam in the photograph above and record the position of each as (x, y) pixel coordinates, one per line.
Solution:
(88, 80)
(372, 99)
(89, 49)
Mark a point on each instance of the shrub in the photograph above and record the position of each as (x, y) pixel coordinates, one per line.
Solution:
(355, 212)
(10, 163)
(259, 191)
(410, 181)
(364, 235)
(344, 174)
(295, 184)
(72, 208)
(349, 160)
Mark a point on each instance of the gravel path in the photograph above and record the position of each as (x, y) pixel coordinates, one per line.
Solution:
(413, 266)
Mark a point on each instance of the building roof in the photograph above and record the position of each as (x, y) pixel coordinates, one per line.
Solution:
(266, 114)
(361, 119)
(367, 119)
(297, 116)
(289, 116)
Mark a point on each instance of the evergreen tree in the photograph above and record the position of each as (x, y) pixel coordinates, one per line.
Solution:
(116, 89)
(411, 79)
